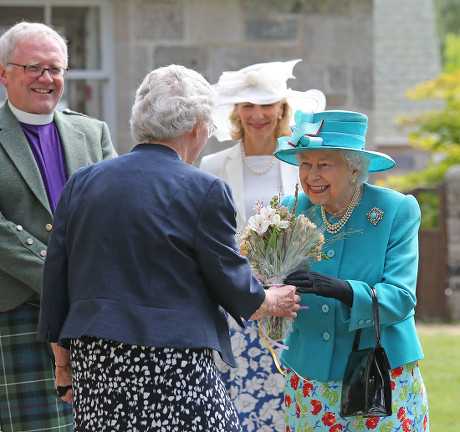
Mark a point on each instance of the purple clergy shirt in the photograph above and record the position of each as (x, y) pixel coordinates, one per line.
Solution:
(46, 147)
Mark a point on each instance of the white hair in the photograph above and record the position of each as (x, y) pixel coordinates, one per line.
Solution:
(359, 161)
(168, 103)
(26, 30)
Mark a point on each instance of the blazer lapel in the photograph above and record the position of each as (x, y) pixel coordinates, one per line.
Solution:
(234, 174)
(13, 140)
(73, 143)
(289, 178)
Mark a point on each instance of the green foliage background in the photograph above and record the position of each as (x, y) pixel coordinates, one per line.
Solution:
(437, 132)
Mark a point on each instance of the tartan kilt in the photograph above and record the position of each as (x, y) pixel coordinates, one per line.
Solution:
(27, 377)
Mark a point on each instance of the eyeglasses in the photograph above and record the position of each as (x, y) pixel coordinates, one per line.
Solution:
(211, 130)
(33, 71)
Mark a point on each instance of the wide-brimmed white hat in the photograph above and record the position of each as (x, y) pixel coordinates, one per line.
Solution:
(261, 83)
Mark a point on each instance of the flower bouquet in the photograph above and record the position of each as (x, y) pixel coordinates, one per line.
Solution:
(277, 243)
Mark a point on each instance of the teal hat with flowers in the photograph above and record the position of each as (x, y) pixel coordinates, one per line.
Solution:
(330, 130)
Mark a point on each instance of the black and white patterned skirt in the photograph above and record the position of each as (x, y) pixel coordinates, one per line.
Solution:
(119, 387)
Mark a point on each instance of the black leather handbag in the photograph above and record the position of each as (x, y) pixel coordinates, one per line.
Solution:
(366, 387)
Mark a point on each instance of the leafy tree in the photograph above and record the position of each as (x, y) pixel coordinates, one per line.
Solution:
(437, 132)
(447, 19)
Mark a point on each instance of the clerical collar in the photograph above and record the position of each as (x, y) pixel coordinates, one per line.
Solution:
(32, 119)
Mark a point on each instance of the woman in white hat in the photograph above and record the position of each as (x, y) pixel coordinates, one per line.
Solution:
(254, 107)
(372, 241)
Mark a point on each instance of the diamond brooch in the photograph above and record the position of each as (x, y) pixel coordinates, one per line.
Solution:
(375, 215)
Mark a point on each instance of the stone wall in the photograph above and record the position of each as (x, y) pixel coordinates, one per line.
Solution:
(334, 39)
(453, 240)
(406, 53)
(363, 54)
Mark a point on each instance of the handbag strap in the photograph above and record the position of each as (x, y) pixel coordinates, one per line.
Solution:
(375, 307)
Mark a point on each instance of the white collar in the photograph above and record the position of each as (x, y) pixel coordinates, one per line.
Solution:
(32, 119)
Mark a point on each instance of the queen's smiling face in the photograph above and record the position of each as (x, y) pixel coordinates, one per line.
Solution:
(34, 95)
(327, 179)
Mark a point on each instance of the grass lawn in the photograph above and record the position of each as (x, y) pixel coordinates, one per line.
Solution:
(441, 373)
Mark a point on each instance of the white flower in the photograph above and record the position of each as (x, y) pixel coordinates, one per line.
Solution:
(266, 361)
(267, 212)
(278, 223)
(258, 223)
(274, 384)
(245, 403)
(238, 343)
(254, 352)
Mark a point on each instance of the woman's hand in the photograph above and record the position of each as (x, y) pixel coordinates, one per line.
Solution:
(279, 301)
(64, 379)
(63, 370)
(308, 282)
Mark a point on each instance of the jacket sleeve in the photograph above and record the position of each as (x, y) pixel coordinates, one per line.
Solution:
(54, 296)
(21, 254)
(397, 286)
(228, 275)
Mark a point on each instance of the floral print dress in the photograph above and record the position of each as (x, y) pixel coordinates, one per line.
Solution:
(315, 406)
(255, 386)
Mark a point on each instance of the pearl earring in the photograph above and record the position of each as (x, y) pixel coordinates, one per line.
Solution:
(280, 117)
(353, 181)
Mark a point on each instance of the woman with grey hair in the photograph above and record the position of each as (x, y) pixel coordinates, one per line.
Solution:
(168, 104)
(371, 235)
(141, 265)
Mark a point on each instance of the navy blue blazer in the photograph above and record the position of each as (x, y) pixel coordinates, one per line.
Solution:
(143, 252)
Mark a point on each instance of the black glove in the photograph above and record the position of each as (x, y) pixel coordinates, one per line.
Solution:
(308, 282)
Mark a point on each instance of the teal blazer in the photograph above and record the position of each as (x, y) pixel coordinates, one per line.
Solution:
(25, 214)
(384, 256)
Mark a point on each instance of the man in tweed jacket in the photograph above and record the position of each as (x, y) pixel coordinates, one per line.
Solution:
(39, 150)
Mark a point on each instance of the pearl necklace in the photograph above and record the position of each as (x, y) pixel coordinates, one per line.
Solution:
(335, 228)
(250, 168)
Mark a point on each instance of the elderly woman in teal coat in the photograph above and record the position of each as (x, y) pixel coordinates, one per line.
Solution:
(371, 241)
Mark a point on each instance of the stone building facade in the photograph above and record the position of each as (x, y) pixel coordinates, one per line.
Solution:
(363, 54)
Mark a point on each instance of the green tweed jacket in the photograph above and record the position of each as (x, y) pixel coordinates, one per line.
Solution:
(25, 214)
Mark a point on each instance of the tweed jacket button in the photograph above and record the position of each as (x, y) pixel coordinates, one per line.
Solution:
(49, 227)
(361, 322)
(43, 253)
(19, 228)
(368, 321)
(30, 241)
(325, 308)
(326, 336)
(330, 253)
